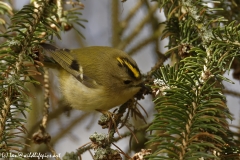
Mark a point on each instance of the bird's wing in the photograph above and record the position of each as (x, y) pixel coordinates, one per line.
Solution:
(64, 59)
(69, 63)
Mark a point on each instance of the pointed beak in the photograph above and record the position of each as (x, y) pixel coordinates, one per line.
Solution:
(144, 87)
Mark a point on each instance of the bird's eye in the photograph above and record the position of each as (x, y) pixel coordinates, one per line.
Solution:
(127, 81)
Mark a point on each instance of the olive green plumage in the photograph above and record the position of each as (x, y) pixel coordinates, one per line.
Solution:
(96, 77)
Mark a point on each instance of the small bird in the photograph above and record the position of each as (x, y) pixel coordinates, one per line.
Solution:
(95, 78)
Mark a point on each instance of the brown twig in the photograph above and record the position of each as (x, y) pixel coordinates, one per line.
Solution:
(121, 151)
(88, 146)
(233, 93)
(146, 41)
(69, 127)
(154, 36)
(41, 136)
(115, 23)
(137, 29)
(143, 128)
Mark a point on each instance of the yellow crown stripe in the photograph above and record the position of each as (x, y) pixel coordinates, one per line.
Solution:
(133, 69)
(120, 60)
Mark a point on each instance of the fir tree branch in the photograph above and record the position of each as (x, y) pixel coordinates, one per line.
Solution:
(181, 97)
(25, 25)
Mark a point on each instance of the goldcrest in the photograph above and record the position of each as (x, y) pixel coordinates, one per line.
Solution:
(95, 78)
